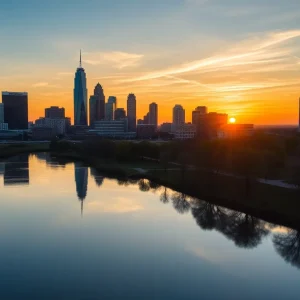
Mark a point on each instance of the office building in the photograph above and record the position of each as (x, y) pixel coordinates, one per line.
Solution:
(42, 133)
(93, 109)
(55, 112)
(131, 112)
(97, 111)
(178, 116)
(153, 114)
(198, 114)
(109, 111)
(112, 99)
(111, 128)
(59, 125)
(3, 126)
(185, 132)
(146, 131)
(146, 119)
(120, 114)
(15, 110)
(140, 122)
(1, 113)
(166, 127)
(80, 96)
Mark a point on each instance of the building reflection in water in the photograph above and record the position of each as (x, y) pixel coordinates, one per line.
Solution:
(16, 170)
(81, 179)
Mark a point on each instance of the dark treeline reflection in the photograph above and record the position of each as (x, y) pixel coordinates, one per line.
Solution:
(243, 229)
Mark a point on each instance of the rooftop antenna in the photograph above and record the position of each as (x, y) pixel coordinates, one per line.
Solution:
(80, 60)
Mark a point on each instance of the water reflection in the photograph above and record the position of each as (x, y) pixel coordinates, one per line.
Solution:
(244, 230)
(81, 179)
(16, 170)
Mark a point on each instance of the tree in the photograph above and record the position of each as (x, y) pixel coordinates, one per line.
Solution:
(245, 230)
(288, 246)
(180, 203)
(144, 185)
(164, 197)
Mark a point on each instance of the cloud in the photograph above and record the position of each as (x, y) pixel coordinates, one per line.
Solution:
(40, 84)
(117, 59)
(253, 51)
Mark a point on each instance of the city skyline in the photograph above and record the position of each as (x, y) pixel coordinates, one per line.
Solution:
(240, 58)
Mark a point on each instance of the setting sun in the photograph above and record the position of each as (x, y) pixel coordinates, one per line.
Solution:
(232, 120)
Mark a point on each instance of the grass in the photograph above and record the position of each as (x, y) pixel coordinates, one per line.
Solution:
(7, 150)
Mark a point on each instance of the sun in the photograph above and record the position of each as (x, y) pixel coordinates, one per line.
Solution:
(232, 120)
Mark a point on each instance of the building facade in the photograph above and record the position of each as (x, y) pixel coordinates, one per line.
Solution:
(55, 112)
(109, 111)
(236, 131)
(120, 113)
(1, 113)
(3, 126)
(185, 132)
(15, 110)
(100, 109)
(146, 131)
(131, 112)
(198, 114)
(166, 127)
(113, 99)
(80, 96)
(153, 114)
(59, 125)
(178, 117)
(111, 128)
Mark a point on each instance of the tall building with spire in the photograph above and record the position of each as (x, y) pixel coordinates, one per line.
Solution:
(81, 180)
(80, 96)
(97, 105)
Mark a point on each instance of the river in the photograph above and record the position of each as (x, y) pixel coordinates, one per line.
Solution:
(69, 233)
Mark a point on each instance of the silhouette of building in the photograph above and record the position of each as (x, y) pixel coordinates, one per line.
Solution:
(113, 99)
(178, 116)
(146, 119)
(146, 131)
(81, 180)
(60, 126)
(198, 114)
(120, 114)
(80, 96)
(109, 111)
(111, 128)
(1, 113)
(3, 126)
(166, 127)
(131, 112)
(55, 112)
(42, 133)
(97, 105)
(235, 131)
(16, 170)
(185, 132)
(153, 114)
(15, 110)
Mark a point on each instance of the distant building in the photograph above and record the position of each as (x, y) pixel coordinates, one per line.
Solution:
(185, 131)
(198, 114)
(111, 128)
(15, 110)
(146, 131)
(14, 135)
(59, 125)
(17, 170)
(213, 122)
(120, 113)
(113, 99)
(140, 122)
(42, 133)
(166, 127)
(236, 131)
(109, 111)
(146, 119)
(54, 112)
(97, 105)
(3, 126)
(1, 113)
(131, 112)
(178, 117)
(153, 114)
(80, 96)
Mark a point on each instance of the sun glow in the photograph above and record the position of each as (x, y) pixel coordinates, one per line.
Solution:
(232, 120)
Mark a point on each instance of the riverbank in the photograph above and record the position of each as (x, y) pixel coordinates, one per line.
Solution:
(15, 148)
(271, 203)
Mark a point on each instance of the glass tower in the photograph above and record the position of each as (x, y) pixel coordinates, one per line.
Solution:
(80, 96)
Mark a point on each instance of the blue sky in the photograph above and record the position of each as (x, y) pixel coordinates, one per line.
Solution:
(124, 41)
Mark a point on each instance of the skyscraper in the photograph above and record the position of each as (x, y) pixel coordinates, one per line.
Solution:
(54, 112)
(198, 114)
(131, 112)
(153, 114)
(1, 113)
(81, 179)
(80, 96)
(109, 111)
(15, 110)
(113, 99)
(99, 93)
(178, 116)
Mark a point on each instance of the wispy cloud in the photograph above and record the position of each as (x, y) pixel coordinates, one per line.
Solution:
(40, 84)
(259, 51)
(117, 59)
